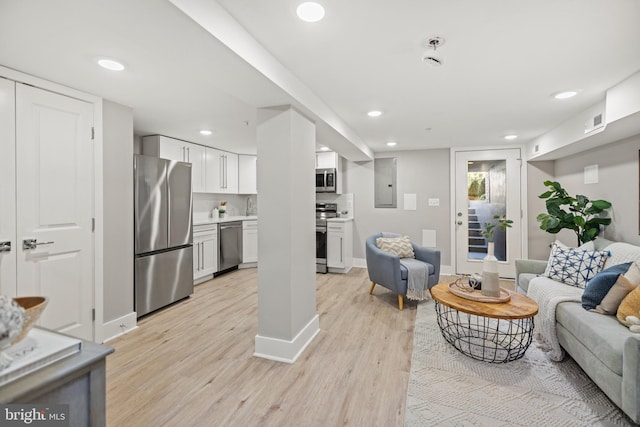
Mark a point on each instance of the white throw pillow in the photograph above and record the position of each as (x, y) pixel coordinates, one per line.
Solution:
(574, 267)
(400, 246)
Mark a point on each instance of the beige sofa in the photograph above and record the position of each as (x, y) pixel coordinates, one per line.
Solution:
(605, 349)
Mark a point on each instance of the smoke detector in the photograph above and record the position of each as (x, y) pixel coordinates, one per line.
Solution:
(435, 42)
(432, 60)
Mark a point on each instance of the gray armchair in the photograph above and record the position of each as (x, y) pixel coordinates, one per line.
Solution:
(385, 268)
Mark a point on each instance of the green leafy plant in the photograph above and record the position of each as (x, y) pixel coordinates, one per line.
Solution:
(573, 213)
(501, 222)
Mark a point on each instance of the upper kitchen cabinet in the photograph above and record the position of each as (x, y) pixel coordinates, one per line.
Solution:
(174, 149)
(222, 171)
(247, 174)
(327, 160)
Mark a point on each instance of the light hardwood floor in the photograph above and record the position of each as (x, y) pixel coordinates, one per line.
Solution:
(192, 364)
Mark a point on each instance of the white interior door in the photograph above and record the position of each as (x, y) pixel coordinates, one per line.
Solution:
(7, 189)
(487, 183)
(54, 158)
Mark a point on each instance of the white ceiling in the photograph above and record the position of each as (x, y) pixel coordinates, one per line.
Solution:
(503, 59)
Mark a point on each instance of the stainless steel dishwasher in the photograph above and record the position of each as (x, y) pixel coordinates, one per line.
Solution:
(230, 238)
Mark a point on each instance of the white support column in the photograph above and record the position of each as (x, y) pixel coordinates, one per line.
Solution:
(287, 319)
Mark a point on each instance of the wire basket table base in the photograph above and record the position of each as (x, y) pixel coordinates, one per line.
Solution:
(483, 338)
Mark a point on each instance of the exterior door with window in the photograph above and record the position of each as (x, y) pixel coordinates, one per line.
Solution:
(487, 183)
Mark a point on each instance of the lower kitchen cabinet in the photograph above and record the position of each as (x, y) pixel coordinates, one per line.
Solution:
(249, 242)
(205, 250)
(339, 246)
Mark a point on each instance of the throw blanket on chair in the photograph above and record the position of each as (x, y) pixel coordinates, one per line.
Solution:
(417, 279)
(548, 294)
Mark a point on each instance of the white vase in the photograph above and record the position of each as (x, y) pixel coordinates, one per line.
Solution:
(490, 279)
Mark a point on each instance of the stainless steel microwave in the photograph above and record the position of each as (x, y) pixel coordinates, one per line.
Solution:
(326, 180)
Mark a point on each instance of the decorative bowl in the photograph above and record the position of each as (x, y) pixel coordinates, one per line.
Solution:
(33, 306)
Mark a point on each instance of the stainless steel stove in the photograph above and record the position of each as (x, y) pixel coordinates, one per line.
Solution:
(323, 212)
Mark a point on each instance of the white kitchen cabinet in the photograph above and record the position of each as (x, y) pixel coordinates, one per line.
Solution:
(339, 246)
(182, 151)
(222, 171)
(249, 242)
(247, 174)
(205, 250)
(327, 159)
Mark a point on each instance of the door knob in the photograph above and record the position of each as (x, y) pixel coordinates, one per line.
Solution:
(5, 246)
(33, 243)
(459, 223)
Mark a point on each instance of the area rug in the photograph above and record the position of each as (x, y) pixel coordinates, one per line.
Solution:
(447, 388)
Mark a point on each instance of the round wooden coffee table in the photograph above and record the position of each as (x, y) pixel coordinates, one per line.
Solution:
(487, 331)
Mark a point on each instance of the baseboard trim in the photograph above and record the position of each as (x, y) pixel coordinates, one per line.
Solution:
(287, 351)
(120, 326)
(446, 269)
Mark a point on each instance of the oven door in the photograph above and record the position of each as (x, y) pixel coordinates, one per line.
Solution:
(321, 249)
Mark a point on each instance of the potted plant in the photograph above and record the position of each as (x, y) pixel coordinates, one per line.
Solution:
(573, 213)
(502, 223)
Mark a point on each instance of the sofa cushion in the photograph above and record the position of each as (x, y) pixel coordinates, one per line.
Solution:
(400, 246)
(598, 287)
(621, 252)
(602, 335)
(574, 267)
(524, 279)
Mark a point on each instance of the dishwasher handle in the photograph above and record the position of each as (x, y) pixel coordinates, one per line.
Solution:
(230, 225)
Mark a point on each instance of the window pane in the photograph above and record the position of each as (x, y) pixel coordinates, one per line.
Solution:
(486, 184)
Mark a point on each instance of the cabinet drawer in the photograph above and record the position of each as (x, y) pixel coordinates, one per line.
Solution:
(337, 227)
(205, 228)
(249, 225)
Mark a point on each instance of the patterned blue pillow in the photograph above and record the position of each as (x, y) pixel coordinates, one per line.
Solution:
(574, 267)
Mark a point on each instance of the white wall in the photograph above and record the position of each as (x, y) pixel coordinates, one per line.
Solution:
(539, 240)
(118, 210)
(618, 183)
(424, 173)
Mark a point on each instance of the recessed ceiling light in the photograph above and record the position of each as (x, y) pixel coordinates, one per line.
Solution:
(565, 95)
(374, 113)
(323, 148)
(205, 132)
(310, 11)
(110, 64)
(391, 143)
(510, 137)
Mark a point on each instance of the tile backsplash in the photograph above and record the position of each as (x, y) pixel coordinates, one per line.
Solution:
(204, 203)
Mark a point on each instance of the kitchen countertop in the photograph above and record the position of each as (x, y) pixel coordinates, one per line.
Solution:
(349, 219)
(205, 221)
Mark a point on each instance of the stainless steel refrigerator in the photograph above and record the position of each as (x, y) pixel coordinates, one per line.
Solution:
(163, 232)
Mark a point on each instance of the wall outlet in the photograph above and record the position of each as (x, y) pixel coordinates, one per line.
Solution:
(434, 202)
